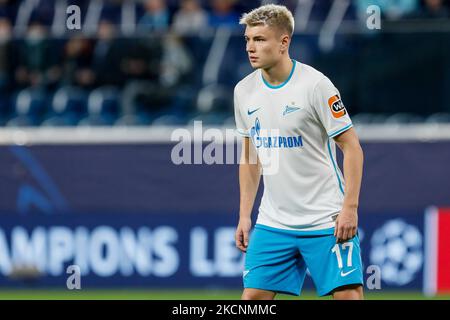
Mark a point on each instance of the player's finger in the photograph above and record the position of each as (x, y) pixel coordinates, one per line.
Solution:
(349, 233)
(353, 233)
(336, 227)
(344, 234)
(238, 238)
(245, 239)
(240, 241)
(339, 234)
(240, 247)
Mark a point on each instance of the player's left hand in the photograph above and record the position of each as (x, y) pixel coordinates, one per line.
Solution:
(346, 224)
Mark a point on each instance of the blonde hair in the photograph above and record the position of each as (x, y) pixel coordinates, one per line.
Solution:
(272, 15)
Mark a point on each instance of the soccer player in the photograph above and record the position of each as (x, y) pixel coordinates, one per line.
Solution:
(291, 117)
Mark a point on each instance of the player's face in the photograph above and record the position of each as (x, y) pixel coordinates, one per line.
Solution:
(264, 46)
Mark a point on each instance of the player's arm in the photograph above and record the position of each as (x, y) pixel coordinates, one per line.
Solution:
(249, 177)
(347, 221)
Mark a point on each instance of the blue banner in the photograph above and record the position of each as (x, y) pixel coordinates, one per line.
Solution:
(126, 178)
(178, 250)
(128, 216)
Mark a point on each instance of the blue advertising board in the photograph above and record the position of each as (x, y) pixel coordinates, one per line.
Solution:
(128, 216)
(121, 178)
(178, 250)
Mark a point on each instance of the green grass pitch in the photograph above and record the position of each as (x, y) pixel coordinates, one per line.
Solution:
(185, 294)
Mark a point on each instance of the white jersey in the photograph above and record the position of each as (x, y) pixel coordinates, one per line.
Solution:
(293, 125)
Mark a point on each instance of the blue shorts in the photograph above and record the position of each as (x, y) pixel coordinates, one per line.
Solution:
(277, 260)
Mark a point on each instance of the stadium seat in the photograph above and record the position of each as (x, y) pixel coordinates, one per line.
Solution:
(363, 118)
(67, 107)
(144, 99)
(133, 120)
(5, 108)
(29, 106)
(102, 107)
(404, 118)
(440, 117)
(229, 122)
(379, 118)
(214, 105)
(183, 100)
(169, 120)
(209, 119)
(215, 98)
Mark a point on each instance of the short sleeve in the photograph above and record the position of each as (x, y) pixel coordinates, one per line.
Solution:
(240, 123)
(330, 109)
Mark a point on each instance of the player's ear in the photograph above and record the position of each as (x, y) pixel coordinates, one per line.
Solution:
(285, 39)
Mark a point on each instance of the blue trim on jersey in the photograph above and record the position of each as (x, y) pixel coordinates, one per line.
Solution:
(243, 133)
(340, 130)
(334, 165)
(286, 81)
(321, 232)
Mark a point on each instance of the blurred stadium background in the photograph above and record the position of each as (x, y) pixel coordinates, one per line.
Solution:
(87, 116)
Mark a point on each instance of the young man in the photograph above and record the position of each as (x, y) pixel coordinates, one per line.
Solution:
(291, 116)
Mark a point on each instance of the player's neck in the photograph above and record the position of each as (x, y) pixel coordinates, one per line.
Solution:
(278, 73)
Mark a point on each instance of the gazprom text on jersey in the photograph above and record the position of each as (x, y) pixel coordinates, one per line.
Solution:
(278, 142)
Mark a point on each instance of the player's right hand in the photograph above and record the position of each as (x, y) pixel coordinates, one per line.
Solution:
(242, 232)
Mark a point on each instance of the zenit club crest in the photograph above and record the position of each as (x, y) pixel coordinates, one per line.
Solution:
(336, 106)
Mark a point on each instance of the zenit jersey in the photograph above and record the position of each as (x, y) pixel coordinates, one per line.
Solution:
(292, 126)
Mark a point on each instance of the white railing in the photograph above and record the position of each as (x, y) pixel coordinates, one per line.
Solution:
(163, 134)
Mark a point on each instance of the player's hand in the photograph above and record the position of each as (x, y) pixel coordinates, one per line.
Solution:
(242, 232)
(346, 224)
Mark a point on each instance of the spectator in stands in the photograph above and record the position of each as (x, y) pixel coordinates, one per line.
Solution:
(176, 61)
(142, 59)
(112, 10)
(391, 10)
(123, 14)
(45, 9)
(190, 18)
(6, 54)
(77, 63)
(432, 9)
(6, 9)
(107, 54)
(38, 57)
(156, 17)
(223, 14)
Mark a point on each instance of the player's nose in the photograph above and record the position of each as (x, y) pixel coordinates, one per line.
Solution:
(250, 47)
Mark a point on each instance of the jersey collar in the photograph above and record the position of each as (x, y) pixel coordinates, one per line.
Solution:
(281, 84)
